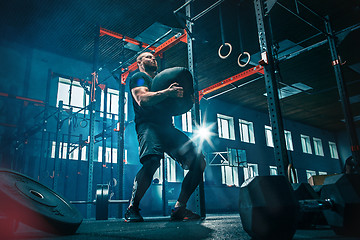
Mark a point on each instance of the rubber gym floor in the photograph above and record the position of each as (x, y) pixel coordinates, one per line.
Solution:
(215, 226)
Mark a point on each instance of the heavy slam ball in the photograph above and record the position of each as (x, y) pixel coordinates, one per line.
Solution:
(174, 105)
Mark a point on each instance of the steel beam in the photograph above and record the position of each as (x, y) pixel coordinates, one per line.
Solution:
(230, 80)
(265, 41)
(92, 121)
(104, 31)
(199, 192)
(343, 93)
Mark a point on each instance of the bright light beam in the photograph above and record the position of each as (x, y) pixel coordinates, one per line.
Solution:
(203, 134)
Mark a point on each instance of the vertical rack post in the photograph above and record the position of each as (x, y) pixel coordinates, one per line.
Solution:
(344, 97)
(92, 123)
(121, 142)
(44, 126)
(164, 186)
(56, 169)
(267, 60)
(199, 192)
(67, 161)
(103, 159)
(78, 168)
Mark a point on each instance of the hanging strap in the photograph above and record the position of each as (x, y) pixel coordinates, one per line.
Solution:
(242, 53)
(223, 43)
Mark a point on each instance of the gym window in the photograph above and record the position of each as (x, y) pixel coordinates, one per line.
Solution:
(73, 151)
(72, 94)
(186, 121)
(230, 176)
(273, 170)
(108, 155)
(318, 148)
(226, 127)
(294, 179)
(310, 173)
(305, 143)
(323, 173)
(171, 170)
(113, 103)
(333, 150)
(268, 137)
(236, 157)
(246, 131)
(250, 171)
(270, 142)
(288, 140)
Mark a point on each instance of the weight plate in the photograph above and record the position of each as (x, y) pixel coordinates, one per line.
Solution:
(34, 204)
(102, 201)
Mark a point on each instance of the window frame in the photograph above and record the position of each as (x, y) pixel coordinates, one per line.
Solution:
(268, 136)
(333, 150)
(254, 172)
(68, 99)
(318, 147)
(306, 144)
(249, 131)
(230, 127)
(186, 122)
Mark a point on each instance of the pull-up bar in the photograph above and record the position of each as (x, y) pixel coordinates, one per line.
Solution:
(158, 51)
(230, 80)
(104, 31)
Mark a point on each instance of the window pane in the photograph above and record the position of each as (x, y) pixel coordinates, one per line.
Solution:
(268, 136)
(333, 150)
(318, 147)
(305, 143)
(288, 138)
(226, 127)
(77, 97)
(63, 93)
(186, 123)
(245, 133)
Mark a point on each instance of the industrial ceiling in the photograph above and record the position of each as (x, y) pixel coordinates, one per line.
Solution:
(68, 28)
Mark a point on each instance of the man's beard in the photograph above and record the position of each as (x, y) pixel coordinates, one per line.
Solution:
(150, 68)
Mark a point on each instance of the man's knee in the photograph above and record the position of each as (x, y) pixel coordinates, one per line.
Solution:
(152, 162)
(198, 164)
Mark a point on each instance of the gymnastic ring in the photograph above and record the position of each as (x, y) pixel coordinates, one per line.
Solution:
(290, 170)
(247, 62)
(219, 51)
(83, 123)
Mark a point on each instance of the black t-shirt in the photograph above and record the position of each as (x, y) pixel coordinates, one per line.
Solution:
(147, 113)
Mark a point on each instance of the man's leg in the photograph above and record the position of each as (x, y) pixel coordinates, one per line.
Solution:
(142, 182)
(189, 184)
(191, 180)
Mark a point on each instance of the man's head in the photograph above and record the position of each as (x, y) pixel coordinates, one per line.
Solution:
(147, 62)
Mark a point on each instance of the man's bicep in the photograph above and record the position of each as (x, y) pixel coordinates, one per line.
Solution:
(138, 92)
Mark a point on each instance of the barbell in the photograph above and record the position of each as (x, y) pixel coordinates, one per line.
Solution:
(101, 201)
(269, 209)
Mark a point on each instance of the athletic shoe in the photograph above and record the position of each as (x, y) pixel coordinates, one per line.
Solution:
(183, 214)
(133, 215)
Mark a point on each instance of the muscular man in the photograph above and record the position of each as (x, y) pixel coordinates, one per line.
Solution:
(156, 135)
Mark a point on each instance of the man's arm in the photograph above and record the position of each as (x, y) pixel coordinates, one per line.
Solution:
(144, 97)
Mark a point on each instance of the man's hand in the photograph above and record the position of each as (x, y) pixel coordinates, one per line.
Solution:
(174, 90)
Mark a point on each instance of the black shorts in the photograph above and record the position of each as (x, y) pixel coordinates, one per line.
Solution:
(157, 139)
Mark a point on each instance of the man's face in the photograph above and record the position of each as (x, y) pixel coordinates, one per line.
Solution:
(149, 63)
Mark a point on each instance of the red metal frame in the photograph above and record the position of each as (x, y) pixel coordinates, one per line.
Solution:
(158, 51)
(104, 31)
(37, 102)
(230, 80)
